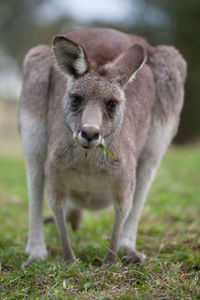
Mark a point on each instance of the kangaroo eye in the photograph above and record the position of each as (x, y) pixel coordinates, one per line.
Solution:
(111, 105)
(76, 100)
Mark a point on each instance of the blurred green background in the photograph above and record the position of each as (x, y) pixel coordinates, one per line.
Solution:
(26, 23)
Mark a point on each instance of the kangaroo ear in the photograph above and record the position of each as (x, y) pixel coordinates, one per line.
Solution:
(124, 68)
(70, 57)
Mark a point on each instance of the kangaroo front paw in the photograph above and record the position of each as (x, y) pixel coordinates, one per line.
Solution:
(36, 253)
(109, 260)
(70, 261)
(134, 257)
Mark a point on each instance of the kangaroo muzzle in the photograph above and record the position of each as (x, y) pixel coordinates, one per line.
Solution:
(89, 136)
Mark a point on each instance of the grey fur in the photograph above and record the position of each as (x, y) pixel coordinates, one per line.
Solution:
(138, 133)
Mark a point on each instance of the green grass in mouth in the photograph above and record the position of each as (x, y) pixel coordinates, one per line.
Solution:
(105, 152)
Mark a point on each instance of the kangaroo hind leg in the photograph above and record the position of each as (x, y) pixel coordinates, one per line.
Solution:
(33, 131)
(169, 69)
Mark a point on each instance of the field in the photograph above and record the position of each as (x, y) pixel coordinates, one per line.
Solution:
(169, 234)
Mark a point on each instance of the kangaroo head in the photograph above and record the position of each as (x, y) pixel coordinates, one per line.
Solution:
(94, 103)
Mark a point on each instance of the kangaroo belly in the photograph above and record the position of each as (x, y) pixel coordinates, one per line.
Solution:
(89, 191)
(90, 201)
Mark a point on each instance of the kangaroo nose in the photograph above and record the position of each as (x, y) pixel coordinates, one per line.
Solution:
(90, 133)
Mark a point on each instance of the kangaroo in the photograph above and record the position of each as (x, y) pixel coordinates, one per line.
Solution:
(96, 87)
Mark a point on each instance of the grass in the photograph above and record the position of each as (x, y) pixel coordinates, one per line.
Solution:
(105, 152)
(169, 234)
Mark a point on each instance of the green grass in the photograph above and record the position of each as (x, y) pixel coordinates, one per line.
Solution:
(169, 234)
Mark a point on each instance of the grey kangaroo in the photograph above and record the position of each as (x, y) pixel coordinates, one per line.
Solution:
(94, 87)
